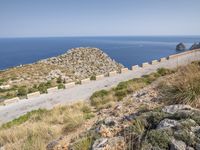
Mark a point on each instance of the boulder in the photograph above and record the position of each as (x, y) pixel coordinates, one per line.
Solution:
(172, 109)
(177, 145)
(99, 144)
(180, 47)
(115, 143)
(189, 148)
(167, 123)
(195, 46)
(109, 121)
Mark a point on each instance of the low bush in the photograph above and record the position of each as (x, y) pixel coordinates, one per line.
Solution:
(22, 91)
(159, 139)
(100, 98)
(93, 77)
(164, 71)
(39, 113)
(61, 86)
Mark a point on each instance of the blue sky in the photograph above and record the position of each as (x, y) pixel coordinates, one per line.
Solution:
(36, 18)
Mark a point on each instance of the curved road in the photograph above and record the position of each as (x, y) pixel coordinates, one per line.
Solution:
(83, 92)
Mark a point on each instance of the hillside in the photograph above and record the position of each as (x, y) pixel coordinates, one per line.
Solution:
(156, 111)
(74, 65)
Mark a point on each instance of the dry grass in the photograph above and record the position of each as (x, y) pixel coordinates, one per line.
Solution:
(39, 129)
(183, 87)
(102, 99)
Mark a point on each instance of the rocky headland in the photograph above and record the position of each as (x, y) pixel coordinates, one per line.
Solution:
(180, 47)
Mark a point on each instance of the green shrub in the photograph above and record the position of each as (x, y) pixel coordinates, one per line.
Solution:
(120, 94)
(2, 81)
(99, 94)
(185, 136)
(93, 77)
(24, 118)
(164, 71)
(61, 86)
(22, 91)
(31, 90)
(154, 118)
(86, 109)
(59, 80)
(42, 88)
(159, 139)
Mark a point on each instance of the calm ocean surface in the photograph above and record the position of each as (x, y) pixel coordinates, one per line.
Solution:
(126, 50)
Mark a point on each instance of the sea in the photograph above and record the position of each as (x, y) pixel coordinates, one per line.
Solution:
(127, 50)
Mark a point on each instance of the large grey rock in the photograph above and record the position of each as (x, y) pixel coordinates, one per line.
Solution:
(189, 148)
(177, 145)
(197, 147)
(172, 109)
(109, 121)
(167, 123)
(180, 47)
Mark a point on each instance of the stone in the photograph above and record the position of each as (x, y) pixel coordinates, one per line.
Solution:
(115, 143)
(109, 121)
(146, 64)
(167, 123)
(172, 109)
(123, 70)
(112, 73)
(31, 95)
(177, 145)
(189, 148)
(135, 67)
(99, 77)
(52, 145)
(163, 59)
(99, 144)
(197, 147)
(12, 100)
(52, 90)
(180, 47)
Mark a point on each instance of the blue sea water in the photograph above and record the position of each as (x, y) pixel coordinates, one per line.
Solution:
(126, 50)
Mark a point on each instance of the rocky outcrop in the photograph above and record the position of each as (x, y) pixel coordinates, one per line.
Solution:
(85, 62)
(180, 47)
(152, 129)
(74, 65)
(195, 46)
